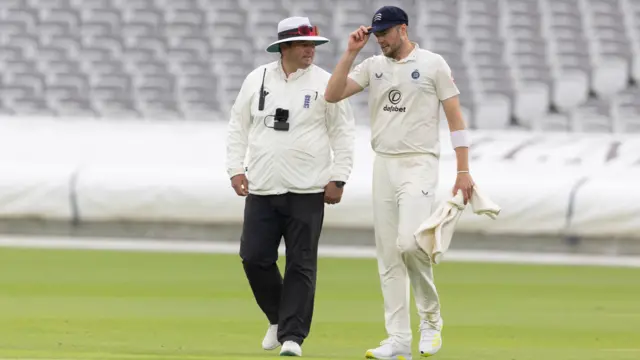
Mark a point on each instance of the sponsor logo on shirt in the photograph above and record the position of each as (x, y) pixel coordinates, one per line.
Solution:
(395, 96)
(388, 108)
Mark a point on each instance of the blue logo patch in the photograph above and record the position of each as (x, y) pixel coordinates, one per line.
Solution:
(415, 74)
(307, 101)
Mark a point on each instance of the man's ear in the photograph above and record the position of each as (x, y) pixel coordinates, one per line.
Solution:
(403, 29)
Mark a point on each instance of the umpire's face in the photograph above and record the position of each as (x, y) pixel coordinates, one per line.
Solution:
(299, 52)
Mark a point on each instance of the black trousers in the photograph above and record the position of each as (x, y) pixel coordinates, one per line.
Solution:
(297, 218)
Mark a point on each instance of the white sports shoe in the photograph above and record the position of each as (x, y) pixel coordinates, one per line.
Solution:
(430, 339)
(389, 350)
(290, 348)
(270, 341)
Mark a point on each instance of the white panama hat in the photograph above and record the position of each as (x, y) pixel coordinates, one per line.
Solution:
(293, 29)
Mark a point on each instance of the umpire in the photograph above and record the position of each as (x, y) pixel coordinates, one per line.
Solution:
(300, 156)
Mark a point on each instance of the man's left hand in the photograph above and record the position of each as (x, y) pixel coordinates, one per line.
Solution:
(332, 193)
(464, 183)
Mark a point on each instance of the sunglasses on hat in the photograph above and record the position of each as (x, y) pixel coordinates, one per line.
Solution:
(302, 30)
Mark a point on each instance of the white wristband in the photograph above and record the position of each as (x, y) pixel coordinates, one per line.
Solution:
(460, 138)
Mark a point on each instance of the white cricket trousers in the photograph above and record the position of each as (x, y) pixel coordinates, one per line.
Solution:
(403, 196)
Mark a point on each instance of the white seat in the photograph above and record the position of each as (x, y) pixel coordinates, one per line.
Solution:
(610, 76)
(593, 116)
(571, 88)
(627, 111)
(531, 102)
(491, 111)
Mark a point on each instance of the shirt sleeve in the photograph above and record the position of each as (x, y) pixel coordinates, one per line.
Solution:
(360, 73)
(445, 86)
(341, 127)
(238, 130)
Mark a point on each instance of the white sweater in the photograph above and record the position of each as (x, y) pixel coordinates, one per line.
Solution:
(435, 233)
(299, 160)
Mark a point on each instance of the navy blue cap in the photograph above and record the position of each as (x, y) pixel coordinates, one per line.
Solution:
(388, 16)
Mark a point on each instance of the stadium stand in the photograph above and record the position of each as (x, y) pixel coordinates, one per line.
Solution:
(569, 65)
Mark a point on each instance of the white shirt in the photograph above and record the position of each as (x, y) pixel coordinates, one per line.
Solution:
(298, 160)
(404, 100)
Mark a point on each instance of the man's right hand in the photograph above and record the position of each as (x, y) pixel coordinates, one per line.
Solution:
(240, 184)
(358, 39)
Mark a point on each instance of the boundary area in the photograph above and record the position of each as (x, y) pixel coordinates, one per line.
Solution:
(335, 251)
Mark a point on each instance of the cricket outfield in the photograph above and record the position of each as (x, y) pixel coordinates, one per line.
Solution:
(80, 304)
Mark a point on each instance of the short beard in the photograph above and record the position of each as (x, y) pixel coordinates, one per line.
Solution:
(392, 54)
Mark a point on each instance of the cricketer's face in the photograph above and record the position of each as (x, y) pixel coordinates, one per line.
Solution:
(299, 52)
(390, 40)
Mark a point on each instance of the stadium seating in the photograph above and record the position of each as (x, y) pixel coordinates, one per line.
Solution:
(569, 65)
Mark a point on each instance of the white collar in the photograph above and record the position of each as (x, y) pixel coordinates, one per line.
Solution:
(295, 75)
(410, 57)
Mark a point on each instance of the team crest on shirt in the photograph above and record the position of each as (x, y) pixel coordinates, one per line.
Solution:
(415, 74)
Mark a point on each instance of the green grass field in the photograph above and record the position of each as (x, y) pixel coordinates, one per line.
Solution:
(60, 304)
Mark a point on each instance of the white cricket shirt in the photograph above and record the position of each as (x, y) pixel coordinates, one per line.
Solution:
(317, 149)
(404, 100)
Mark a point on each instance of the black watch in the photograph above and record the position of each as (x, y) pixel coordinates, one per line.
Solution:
(339, 184)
